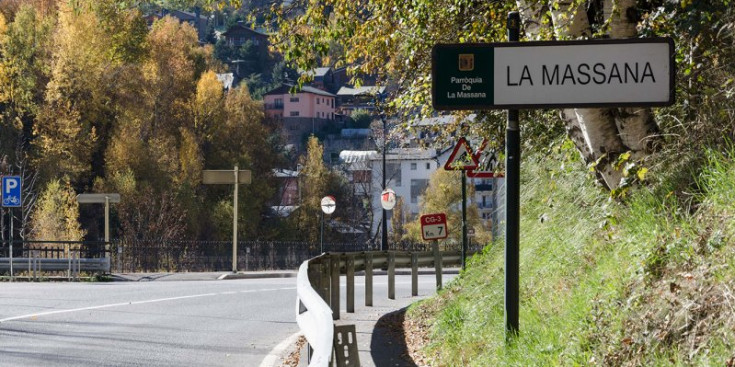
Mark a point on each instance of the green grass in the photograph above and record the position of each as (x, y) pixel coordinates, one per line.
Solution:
(644, 282)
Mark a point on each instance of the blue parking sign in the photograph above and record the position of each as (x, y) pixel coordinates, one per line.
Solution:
(11, 190)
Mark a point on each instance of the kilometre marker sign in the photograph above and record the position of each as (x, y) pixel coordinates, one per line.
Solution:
(592, 73)
(434, 226)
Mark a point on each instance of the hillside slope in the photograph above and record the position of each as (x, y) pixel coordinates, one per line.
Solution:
(644, 282)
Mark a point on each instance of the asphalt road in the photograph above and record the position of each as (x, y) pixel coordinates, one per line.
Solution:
(159, 323)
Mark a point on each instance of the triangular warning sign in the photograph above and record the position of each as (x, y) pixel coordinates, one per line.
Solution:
(487, 164)
(461, 157)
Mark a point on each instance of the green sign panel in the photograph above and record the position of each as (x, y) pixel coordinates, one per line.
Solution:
(462, 76)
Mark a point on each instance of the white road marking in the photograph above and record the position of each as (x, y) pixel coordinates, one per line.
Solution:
(131, 303)
(279, 351)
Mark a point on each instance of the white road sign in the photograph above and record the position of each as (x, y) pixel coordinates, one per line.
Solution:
(329, 204)
(549, 74)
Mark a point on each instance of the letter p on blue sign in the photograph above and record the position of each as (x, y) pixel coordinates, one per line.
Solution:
(11, 190)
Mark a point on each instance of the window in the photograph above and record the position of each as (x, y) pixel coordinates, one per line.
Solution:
(417, 189)
(394, 173)
(362, 176)
(278, 103)
(428, 165)
(317, 100)
(294, 99)
(413, 166)
(294, 113)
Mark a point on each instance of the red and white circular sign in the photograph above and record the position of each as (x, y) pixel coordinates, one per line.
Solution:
(388, 199)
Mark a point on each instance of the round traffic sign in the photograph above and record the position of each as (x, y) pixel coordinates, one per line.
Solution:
(388, 199)
(329, 203)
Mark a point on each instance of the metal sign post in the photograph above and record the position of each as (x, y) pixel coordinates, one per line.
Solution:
(462, 159)
(236, 177)
(12, 197)
(512, 199)
(328, 204)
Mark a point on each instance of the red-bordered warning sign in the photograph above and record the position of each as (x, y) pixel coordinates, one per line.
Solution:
(462, 157)
(487, 163)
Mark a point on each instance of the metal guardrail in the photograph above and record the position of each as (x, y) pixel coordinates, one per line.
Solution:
(320, 276)
(42, 264)
(36, 265)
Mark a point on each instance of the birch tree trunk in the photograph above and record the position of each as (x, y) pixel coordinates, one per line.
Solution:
(600, 135)
(636, 126)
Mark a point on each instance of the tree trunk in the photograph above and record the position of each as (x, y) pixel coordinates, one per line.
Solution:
(532, 14)
(570, 19)
(636, 126)
(600, 135)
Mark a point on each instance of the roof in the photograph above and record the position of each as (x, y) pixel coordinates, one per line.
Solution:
(226, 79)
(406, 154)
(240, 27)
(285, 89)
(366, 90)
(318, 72)
(354, 156)
(285, 173)
(185, 15)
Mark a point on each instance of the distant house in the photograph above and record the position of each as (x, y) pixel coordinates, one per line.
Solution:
(238, 34)
(288, 187)
(307, 111)
(359, 98)
(358, 166)
(196, 20)
(327, 79)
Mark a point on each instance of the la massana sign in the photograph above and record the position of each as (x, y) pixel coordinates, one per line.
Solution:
(517, 75)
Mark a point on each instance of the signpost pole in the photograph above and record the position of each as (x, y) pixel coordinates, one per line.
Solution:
(234, 222)
(321, 236)
(384, 221)
(512, 198)
(464, 219)
(10, 212)
(107, 227)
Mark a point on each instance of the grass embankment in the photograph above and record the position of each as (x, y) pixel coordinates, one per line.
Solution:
(646, 282)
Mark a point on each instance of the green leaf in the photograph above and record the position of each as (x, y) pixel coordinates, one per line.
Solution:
(642, 173)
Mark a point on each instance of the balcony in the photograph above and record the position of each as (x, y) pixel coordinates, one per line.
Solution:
(274, 106)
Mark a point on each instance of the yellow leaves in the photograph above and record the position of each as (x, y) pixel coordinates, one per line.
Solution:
(3, 26)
